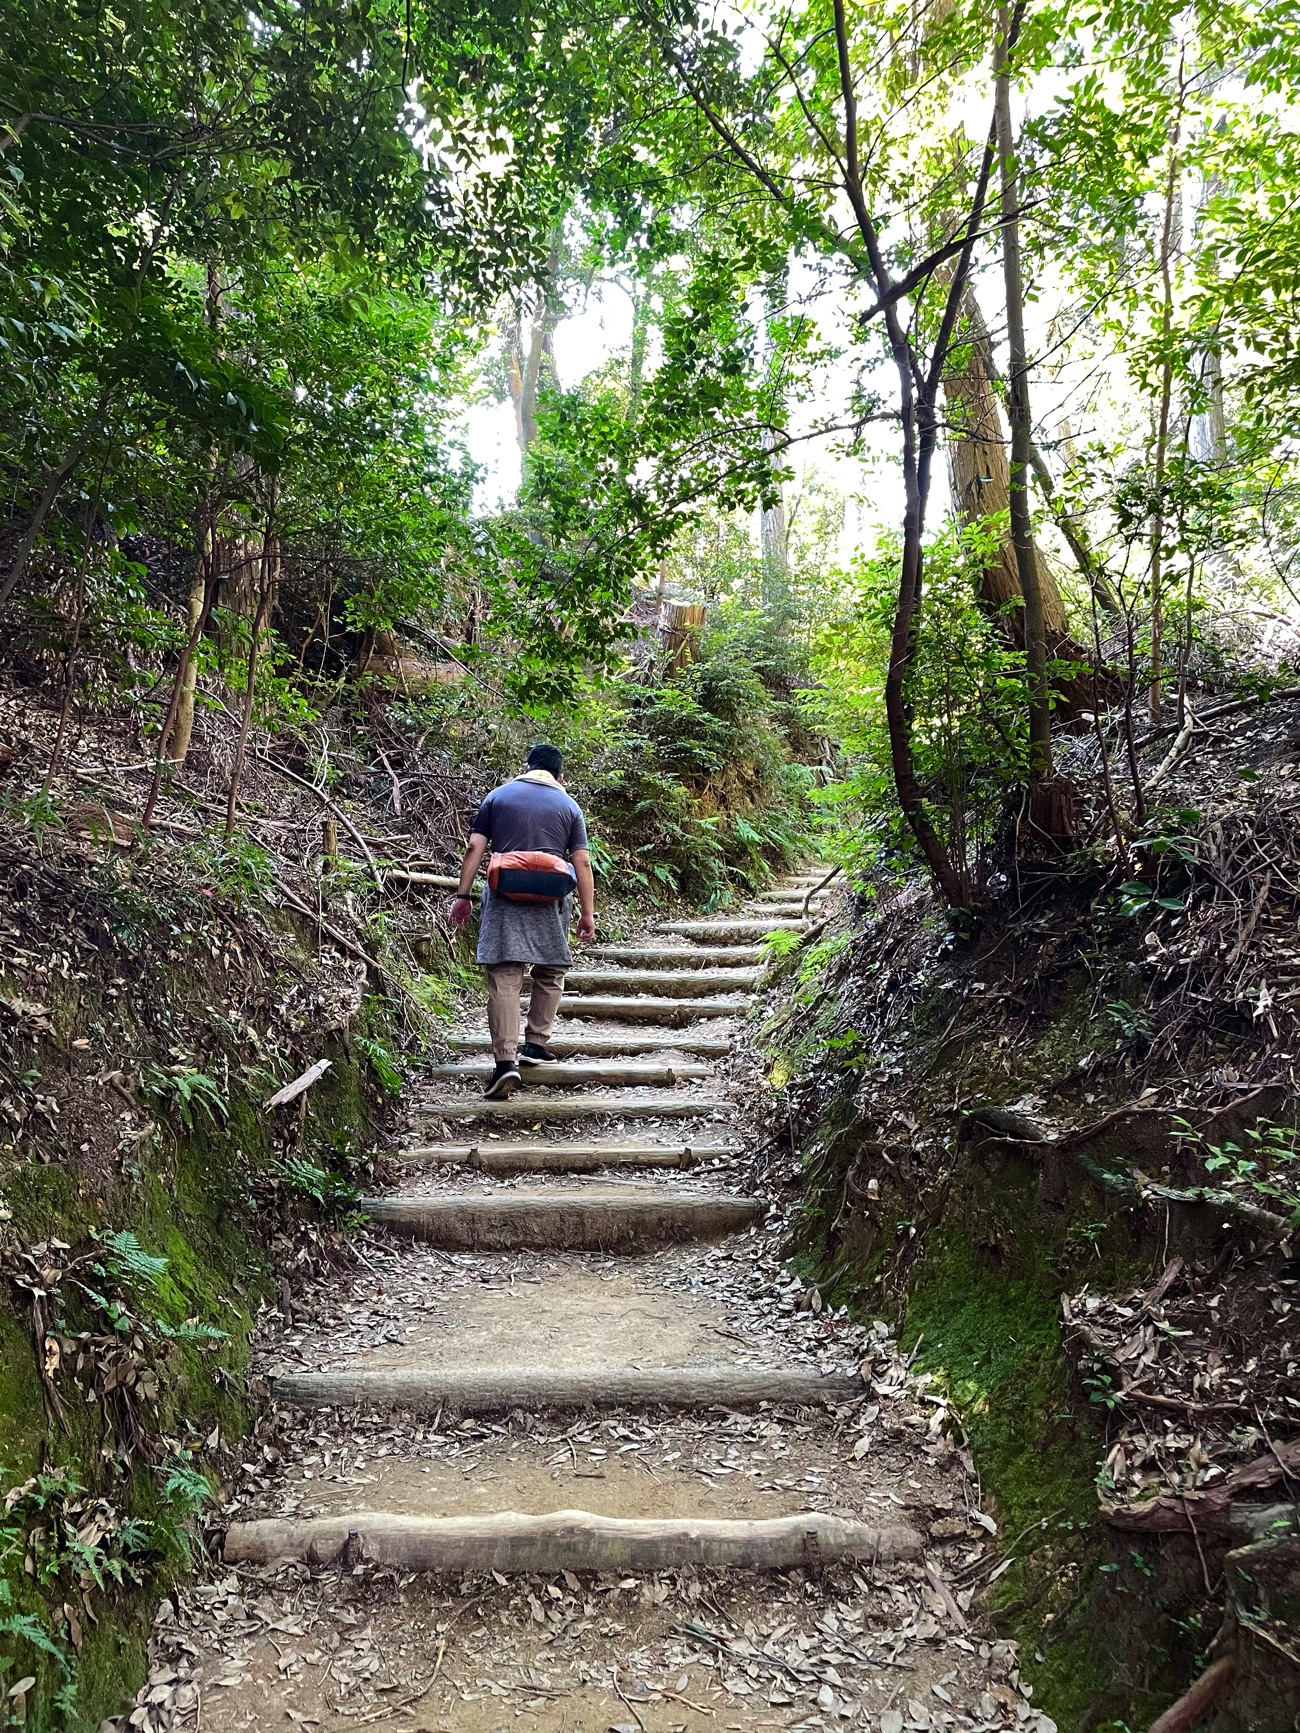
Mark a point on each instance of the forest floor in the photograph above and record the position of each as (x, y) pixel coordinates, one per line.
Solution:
(871, 1642)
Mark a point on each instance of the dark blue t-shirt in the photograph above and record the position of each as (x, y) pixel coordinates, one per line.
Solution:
(531, 815)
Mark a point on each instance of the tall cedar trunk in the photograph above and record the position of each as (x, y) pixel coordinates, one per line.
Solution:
(981, 483)
(775, 546)
(1156, 567)
(1022, 530)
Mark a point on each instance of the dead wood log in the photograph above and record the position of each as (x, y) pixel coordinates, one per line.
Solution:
(592, 1160)
(300, 1085)
(563, 1540)
(587, 1156)
(671, 983)
(426, 1390)
(724, 932)
(630, 1073)
(673, 1012)
(564, 1221)
(580, 1046)
(1207, 1510)
(1189, 1711)
(533, 1109)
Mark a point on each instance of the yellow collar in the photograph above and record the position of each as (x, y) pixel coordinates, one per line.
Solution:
(542, 776)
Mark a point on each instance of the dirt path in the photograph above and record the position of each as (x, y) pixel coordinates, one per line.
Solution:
(544, 1342)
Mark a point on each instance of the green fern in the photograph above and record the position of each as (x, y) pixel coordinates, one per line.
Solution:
(125, 1260)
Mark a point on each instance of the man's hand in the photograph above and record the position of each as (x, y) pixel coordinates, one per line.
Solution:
(586, 928)
(458, 913)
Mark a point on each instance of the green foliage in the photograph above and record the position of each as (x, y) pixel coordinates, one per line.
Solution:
(319, 1185)
(688, 776)
(1264, 1162)
(382, 1063)
(195, 1098)
(966, 695)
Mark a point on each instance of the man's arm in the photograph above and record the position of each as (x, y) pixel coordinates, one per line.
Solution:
(586, 893)
(460, 910)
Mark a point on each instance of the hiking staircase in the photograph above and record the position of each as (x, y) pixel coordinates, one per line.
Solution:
(641, 1031)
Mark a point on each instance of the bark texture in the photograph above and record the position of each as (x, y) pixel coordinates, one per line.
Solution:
(499, 1392)
(563, 1540)
(563, 1221)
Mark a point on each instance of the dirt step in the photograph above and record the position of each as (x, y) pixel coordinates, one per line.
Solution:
(679, 956)
(579, 1107)
(723, 932)
(572, 1220)
(634, 1009)
(571, 1540)
(593, 1155)
(628, 1071)
(670, 983)
(425, 1390)
(605, 1046)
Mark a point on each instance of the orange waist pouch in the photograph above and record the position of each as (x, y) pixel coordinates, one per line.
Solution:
(530, 875)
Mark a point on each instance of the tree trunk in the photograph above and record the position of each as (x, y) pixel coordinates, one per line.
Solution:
(269, 566)
(55, 481)
(775, 546)
(981, 483)
(531, 363)
(683, 624)
(1165, 404)
(181, 728)
(1022, 529)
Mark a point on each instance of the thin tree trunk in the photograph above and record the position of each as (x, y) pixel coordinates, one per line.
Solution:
(55, 481)
(197, 622)
(528, 369)
(181, 728)
(1022, 530)
(74, 647)
(1156, 565)
(266, 591)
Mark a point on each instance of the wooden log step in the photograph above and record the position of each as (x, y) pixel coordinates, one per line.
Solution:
(425, 1390)
(568, 1220)
(671, 984)
(680, 956)
(572, 1540)
(635, 1009)
(792, 893)
(579, 1107)
(594, 1155)
(631, 1072)
(723, 932)
(702, 1043)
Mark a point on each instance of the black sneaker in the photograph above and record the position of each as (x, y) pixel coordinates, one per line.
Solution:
(536, 1054)
(505, 1079)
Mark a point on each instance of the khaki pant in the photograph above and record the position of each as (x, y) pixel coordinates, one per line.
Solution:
(505, 984)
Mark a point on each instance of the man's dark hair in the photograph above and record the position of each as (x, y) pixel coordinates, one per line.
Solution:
(549, 758)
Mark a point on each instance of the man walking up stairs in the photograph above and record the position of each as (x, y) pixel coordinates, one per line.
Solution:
(538, 838)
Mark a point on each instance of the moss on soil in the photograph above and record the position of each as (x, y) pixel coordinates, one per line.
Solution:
(189, 1202)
